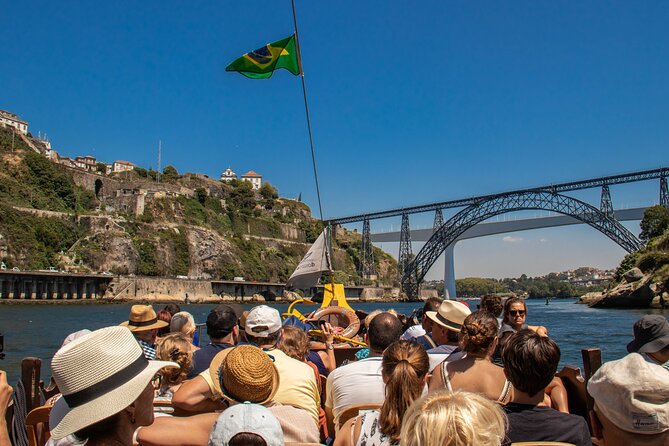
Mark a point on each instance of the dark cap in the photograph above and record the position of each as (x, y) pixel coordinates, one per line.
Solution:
(236, 308)
(221, 321)
(651, 334)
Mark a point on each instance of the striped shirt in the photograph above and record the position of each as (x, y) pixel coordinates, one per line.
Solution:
(149, 349)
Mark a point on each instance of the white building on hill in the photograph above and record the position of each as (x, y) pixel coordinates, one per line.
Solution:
(228, 175)
(122, 166)
(8, 119)
(254, 178)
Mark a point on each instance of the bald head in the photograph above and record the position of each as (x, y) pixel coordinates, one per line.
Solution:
(383, 331)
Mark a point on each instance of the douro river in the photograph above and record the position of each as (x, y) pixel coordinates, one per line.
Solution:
(38, 330)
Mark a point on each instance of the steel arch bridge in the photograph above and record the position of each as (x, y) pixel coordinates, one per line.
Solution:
(416, 270)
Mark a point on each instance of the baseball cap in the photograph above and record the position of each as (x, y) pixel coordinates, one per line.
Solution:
(246, 418)
(262, 321)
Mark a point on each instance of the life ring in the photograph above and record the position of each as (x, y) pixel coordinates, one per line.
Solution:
(353, 323)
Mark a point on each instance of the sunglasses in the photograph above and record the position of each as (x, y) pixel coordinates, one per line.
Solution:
(517, 312)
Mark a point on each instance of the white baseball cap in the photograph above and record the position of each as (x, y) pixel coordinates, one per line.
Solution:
(246, 418)
(633, 394)
(262, 321)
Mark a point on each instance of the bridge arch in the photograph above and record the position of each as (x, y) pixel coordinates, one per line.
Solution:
(500, 204)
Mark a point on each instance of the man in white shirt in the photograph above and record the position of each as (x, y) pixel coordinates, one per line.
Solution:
(447, 323)
(361, 382)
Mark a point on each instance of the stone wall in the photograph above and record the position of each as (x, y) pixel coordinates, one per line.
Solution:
(161, 289)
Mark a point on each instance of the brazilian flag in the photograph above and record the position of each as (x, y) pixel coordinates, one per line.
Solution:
(261, 63)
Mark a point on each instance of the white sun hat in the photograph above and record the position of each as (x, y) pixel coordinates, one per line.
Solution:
(99, 375)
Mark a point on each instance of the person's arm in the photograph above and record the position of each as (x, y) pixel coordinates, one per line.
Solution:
(195, 395)
(5, 397)
(175, 431)
(539, 329)
(328, 356)
(329, 405)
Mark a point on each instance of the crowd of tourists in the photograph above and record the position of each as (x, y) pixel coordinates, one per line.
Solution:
(458, 378)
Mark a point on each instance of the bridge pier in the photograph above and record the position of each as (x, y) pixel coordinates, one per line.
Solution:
(449, 272)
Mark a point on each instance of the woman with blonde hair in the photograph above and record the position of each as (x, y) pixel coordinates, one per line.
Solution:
(174, 347)
(475, 372)
(457, 418)
(404, 369)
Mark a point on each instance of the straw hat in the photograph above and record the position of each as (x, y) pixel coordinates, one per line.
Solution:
(142, 318)
(244, 373)
(99, 375)
(451, 315)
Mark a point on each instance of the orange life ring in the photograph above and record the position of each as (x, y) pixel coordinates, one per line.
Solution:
(353, 323)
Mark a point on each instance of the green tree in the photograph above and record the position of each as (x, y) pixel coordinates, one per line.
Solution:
(242, 197)
(142, 172)
(101, 167)
(268, 192)
(655, 222)
(170, 174)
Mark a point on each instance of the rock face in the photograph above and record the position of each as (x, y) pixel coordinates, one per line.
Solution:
(633, 275)
(637, 294)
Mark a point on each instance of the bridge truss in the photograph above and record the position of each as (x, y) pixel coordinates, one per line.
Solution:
(414, 272)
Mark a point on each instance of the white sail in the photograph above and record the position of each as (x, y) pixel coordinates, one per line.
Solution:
(314, 262)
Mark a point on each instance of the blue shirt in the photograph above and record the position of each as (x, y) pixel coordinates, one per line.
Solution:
(202, 358)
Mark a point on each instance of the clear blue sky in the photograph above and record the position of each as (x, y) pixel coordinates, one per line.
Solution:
(411, 102)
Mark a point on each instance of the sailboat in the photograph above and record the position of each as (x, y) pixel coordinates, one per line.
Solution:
(334, 307)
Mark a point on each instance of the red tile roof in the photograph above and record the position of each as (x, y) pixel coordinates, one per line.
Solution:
(251, 173)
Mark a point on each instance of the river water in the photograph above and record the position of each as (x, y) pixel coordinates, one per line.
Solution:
(38, 330)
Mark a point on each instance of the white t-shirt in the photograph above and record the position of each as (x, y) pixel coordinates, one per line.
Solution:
(355, 383)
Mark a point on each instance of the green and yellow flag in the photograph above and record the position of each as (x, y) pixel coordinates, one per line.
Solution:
(261, 63)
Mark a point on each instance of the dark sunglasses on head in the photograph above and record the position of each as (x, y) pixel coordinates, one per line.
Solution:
(517, 312)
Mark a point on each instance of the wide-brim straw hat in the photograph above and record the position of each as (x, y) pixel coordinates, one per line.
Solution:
(451, 315)
(99, 375)
(246, 373)
(142, 318)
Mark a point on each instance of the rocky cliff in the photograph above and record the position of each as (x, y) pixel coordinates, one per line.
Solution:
(190, 225)
(642, 279)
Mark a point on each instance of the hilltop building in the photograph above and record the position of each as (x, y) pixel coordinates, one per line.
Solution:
(8, 119)
(228, 175)
(122, 166)
(88, 163)
(254, 178)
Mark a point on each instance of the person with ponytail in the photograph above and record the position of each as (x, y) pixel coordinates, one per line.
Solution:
(404, 369)
(475, 372)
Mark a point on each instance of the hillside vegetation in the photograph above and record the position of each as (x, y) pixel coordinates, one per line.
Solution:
(47, 220)
(642, 278)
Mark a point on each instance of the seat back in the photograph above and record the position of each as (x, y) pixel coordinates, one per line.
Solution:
(37, 426)
(353, 411)
(542, 443)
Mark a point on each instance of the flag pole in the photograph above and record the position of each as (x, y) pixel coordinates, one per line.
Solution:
(306, 109)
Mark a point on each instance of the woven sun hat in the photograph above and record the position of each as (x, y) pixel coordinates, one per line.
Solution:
(244, 373)
(99, 375)
(651, 334)
(246, 418)
(142, 318)
(633, 394)
(262, 321)
(451, 315)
